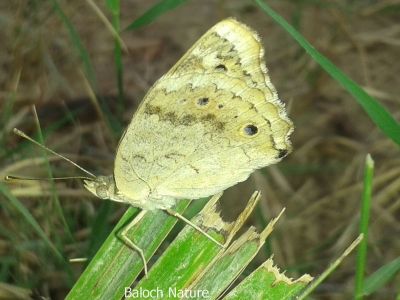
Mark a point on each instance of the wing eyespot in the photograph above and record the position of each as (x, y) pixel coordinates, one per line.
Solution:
(221, 67)
(250, 129)
(203, 101)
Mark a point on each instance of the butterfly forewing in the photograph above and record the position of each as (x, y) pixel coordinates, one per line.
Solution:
(207, 124)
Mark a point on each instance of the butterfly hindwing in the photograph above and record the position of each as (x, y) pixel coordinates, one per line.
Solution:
(205, 125)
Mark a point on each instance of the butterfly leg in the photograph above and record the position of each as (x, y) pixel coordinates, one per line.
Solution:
(128, 241)
(179, 216)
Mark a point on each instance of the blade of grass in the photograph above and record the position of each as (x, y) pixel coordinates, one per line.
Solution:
(30, 220)
(11, 291)
(184, 259)
(227, 268)
(6, 111)
(268, 283)
(364, 221)
(100, 229)
(192, 257)
(56, 200)
(188, 255)
(5, 115)
(263, 222)
(112, 122)
(378, 114)
(114, 7)
(381, 277)
(76, 41)
(330, 269)
(154, 12)
(26, 146)
(115, 266)
(112, 127)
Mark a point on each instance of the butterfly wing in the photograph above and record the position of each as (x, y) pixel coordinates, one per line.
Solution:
(205, 125)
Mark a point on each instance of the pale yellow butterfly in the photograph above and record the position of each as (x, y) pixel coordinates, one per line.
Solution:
(204, 126)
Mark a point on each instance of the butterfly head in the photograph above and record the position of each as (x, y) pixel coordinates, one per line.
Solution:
(102, 187)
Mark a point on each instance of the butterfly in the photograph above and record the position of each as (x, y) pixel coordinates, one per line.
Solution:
(204, 126)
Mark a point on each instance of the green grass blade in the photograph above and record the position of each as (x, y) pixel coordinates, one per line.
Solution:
(76, 41)
(5, 116)
(7, 110)
(100, 230)
(221, 273)
(263, 222)
(227, 268)
(114, 7)
(382, 276)
(115, 266)
(364, 221)
(330, 269)
(30, 220)
(89, 71)
(186, 257)
(56, 199)
(268, 283)
(194, 263)
(378, 114)
(154, 12)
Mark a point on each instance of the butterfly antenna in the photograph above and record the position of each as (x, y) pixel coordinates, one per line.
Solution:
(20, 178)
(22, 134)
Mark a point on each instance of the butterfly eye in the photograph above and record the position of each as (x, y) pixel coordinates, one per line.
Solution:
(220, 106)
(102, 191)
(203, 101)
(250, 130)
